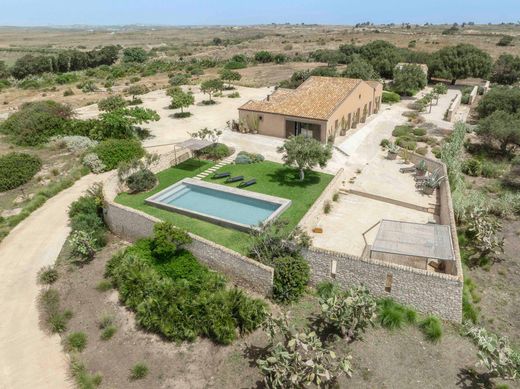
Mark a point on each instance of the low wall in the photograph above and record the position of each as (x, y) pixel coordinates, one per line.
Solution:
(473, 95)
(428, 292)
(311, 218)
(131, 224)
(455, 103)
(446, 213)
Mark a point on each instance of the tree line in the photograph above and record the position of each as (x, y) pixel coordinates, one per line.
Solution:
(65, 61)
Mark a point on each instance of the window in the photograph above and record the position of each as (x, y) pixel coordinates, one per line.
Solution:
(260, 117)
(388, 283)
(336, 124)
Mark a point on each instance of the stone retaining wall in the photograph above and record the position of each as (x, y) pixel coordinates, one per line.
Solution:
(428, 292)
(132, 224)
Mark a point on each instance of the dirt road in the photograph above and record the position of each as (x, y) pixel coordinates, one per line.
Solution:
(30, 358)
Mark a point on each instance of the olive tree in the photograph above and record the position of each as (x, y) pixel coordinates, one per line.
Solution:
(506, 70)
(459, 62)
(211, 86)
(500, 98)
(409, 79)
(360, 68)
(229, 75)
(180, 99)
(305, 153)
(501, 128)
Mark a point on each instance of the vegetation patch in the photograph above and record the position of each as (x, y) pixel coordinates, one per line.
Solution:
(112, 152)
(176, 296)
(16, 169)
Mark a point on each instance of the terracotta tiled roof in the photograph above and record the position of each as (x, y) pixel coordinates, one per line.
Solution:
(317, 98)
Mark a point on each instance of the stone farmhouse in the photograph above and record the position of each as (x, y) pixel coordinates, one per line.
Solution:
(321, 107)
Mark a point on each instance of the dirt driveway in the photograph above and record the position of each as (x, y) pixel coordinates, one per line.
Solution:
(29, 358)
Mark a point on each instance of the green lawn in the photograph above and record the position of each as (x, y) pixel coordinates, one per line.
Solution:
(272, 178)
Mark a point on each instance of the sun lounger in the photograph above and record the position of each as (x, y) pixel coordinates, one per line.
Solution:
(221, 175)
(234, 179)
(247, 183)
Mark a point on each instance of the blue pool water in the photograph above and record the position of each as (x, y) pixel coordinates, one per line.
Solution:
(223, 205)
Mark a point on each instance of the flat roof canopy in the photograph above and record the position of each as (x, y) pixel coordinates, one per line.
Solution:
(414, 239)
(194, 144)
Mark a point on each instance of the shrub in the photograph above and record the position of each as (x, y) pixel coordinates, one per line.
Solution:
(465, 98)
(472, 167)
(76, 341)
(179, 79)
(16, 169)
(82, 246)
(141, 181)
(55, 318)
(83, 378)
(68, 92)
(103, 286)
(36, 122)
(216, 151)
(422, 150)
(335, 196)
(406, 144)
(390, 97)
(384, 143)
(111, 152)
(419, 132)
(440, 89)
(393, 315)
(92, 161)
(75, 143)
(431, 326)
(139, 371)
(112, 103)
(291, 275)
(234, 95)
(47, 275)
(168, 240)
(327, 207)
(108, 332)
(245, 158)
(399, 131)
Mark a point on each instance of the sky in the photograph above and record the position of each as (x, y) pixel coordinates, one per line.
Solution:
(244, 12)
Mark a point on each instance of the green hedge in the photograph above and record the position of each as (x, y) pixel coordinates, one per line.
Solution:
(113, 151)
(16, 169)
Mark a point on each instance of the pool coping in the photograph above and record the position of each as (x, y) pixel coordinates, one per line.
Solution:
(283, 203)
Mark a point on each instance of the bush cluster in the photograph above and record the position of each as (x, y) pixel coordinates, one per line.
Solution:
(176, 296)
(111, 152)
(141, 181)
(36, 122)
(216, 151)
(86, 217)
(54, 315)
(246, 158)
(16, 169)
(390, 97)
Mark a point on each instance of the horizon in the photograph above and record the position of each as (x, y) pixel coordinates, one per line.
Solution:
(205, 13)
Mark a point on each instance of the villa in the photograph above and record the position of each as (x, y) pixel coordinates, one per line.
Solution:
(321, 107)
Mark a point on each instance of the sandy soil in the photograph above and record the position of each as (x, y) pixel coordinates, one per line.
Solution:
(202, 364)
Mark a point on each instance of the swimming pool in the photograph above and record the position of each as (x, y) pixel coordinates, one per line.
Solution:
(219, 204)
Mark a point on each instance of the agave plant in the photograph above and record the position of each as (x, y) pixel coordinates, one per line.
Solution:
(433, 181)
(393, 148)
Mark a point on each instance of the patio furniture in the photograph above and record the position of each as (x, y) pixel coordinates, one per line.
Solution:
(221, 175)
(245, 184)
(234, 179)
